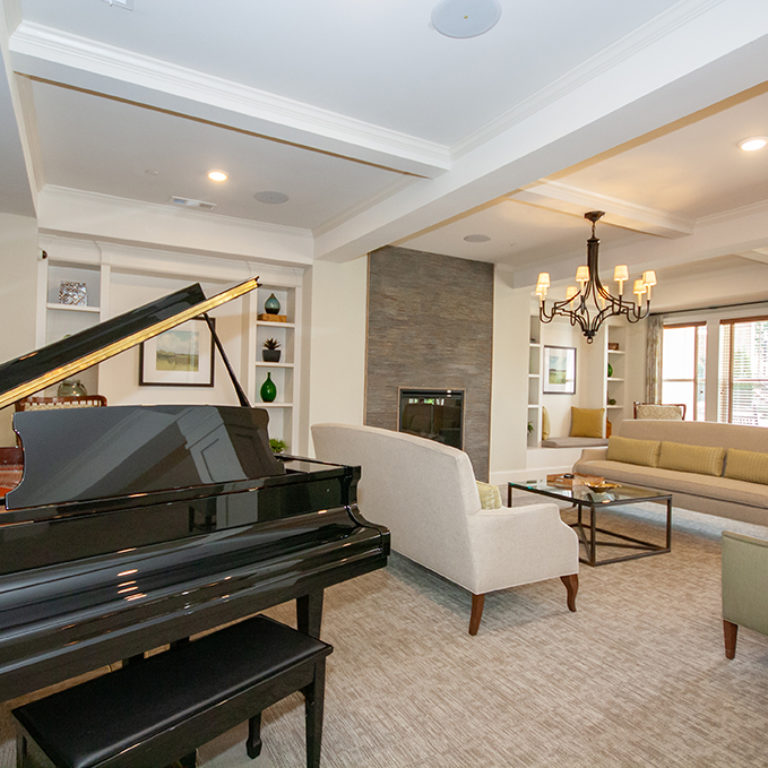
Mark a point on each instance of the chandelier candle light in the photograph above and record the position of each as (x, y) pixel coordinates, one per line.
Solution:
(591, 303)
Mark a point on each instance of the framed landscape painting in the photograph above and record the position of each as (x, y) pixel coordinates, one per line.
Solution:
(181, 357)
(559, 371)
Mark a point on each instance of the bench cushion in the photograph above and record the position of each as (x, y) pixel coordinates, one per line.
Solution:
(82, 726)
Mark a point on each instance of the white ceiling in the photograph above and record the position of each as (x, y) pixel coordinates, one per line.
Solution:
(380, 130)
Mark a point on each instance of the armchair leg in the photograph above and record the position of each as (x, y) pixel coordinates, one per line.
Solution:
(572, 585)
(730, 630)
(478, 601)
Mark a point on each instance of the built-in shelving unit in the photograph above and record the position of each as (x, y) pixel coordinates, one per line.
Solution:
(285, 374)
(616, 371)
(534, 383)
(56, 319)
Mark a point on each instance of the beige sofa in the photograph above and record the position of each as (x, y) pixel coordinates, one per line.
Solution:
(712, 490)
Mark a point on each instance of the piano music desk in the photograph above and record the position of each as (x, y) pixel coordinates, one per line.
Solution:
(162, 708)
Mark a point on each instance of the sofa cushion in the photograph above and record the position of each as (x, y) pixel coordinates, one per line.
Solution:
(645, 452)
(674, 481)
(702, 459)
(490, 496)
(751, 466)
(587, 422)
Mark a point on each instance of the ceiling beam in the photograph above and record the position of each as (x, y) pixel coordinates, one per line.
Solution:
(70, 60)
(562, 198)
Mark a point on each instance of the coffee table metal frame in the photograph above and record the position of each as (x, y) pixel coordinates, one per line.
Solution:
(587, 533)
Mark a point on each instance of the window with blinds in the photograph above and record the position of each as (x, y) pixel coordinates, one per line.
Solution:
(743, 371)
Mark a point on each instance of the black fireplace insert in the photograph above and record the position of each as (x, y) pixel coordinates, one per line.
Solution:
(437, 414)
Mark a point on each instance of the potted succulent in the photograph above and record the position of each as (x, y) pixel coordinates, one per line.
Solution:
(277, 446)
(271, 353)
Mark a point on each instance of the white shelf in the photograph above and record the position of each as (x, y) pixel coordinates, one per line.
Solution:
(534, 344)
(533, 407)
(614, 378)
(616, 352)
(274, 405)
(262, 364)
(72, 307)
(534, 375)
(269, 324)
(614, 406)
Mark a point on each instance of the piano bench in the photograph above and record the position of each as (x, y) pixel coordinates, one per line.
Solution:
(160, 709)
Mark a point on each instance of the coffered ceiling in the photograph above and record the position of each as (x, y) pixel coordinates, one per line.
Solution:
(380, 130)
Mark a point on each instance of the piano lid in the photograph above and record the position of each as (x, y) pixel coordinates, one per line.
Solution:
(58, 361)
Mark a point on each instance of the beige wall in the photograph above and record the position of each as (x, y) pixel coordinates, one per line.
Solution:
(337, 331)
(19, 254)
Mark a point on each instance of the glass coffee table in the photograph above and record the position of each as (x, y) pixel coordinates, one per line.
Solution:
(583, 497)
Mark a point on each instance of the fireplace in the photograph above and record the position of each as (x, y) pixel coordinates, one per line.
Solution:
(437, 414)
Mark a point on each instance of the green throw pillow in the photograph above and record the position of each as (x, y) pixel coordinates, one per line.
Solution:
(644, 452)
(490, 497)
(751, 466)
(703, 459)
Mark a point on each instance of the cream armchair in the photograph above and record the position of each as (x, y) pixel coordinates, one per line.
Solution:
(426, 494)
(745, 587)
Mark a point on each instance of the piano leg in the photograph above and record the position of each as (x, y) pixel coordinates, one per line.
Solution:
(309, 613)
(253, 745)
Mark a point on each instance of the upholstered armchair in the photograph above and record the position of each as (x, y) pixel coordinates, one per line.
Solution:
(745, 587)
(426, 494)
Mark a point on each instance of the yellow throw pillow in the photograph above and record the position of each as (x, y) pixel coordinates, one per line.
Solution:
(490, 496)
(704, 459)
(587, 422)
(747, 465)
(645, 452)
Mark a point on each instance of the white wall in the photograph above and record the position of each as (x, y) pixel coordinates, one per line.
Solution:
(119, 376)
(337, 333)
(19, 254)
(509, 375)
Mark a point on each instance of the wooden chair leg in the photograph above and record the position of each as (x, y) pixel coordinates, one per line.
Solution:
(730, 630)
(478, 601)
(572, 585)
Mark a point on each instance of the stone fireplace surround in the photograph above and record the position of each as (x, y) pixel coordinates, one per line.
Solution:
(430, 326)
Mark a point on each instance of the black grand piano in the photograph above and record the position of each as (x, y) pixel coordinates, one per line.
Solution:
(138, 526)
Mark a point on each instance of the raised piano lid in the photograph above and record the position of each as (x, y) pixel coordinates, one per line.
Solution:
(58, 361)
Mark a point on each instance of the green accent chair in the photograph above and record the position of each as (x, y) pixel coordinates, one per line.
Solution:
(745, 586)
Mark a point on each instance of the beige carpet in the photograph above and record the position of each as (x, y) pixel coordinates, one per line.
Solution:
(637, 677)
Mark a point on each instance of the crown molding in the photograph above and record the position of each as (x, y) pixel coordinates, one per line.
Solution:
(40, 51)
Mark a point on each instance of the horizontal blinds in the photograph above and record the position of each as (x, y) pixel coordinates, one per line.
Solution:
(744, 371)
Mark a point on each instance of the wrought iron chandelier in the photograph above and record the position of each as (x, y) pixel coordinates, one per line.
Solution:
(591, 303)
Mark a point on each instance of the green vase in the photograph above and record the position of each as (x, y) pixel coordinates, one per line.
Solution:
(610, 371)
(272, 305)
(268, 390)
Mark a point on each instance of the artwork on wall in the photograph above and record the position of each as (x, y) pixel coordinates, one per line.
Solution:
(181, 357)
(559, 371)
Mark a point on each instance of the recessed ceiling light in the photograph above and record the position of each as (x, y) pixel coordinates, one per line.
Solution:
(477, 238)
(271, 197)
(753, 143)
(217, 176)
(151, 171)
(465, 18)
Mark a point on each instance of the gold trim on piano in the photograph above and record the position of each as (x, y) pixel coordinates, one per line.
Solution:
(81, 363)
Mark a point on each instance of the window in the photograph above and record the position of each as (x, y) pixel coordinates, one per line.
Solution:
(683, 367)
(743, 372)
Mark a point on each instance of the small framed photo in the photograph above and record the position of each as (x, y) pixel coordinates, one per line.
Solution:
(559, 371)
(181, 357)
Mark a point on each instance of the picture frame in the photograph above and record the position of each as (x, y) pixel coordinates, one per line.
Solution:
(180, 357)
(559, 370)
